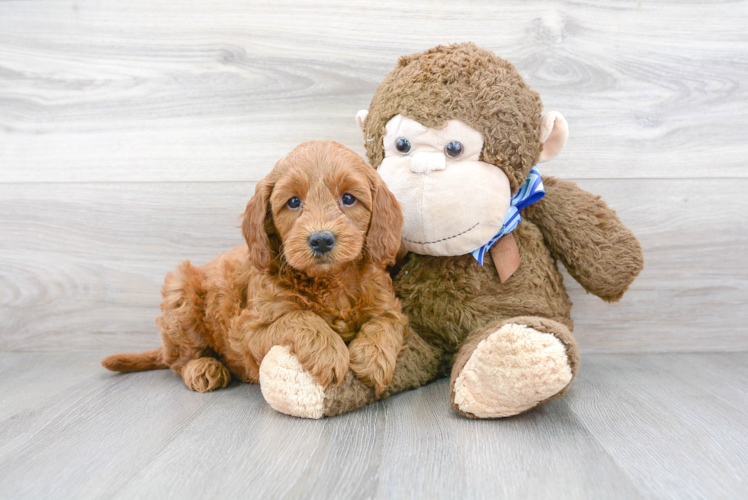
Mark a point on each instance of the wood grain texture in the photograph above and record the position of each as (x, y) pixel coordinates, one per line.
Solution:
(95, 91)
(86, 445)
(697, 402)
(82, 264)
(632, 426)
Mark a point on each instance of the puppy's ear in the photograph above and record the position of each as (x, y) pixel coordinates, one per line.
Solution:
(257, 221)
(383, 238)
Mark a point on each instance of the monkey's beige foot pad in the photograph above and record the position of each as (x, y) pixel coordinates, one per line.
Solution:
(511, 370)
(288, 387)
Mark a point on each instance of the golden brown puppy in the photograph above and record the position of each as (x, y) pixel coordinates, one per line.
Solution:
(320, 230)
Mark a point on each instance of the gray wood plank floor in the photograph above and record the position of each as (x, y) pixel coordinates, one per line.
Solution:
(633, 426)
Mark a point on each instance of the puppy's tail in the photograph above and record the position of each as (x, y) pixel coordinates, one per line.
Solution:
(127, 362)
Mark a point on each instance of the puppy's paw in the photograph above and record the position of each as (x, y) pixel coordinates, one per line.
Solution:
(288, 387)
(372, 365)
(326, 359)
(205, 374)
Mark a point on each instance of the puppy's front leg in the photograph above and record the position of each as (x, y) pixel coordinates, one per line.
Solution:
(320, 350)
(375, 349)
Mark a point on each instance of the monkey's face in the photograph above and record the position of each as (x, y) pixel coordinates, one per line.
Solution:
(452, 202)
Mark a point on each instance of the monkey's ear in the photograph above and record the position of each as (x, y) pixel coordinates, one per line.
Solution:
(361, 118)
(553, 134)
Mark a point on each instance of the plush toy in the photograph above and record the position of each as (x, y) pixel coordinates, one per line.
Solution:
(457, 135)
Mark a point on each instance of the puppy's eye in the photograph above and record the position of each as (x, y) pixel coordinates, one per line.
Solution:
(293, 203)
(454, 149)
(348, 199)
(403, 145)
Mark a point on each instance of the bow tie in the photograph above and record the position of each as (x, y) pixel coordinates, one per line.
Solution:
(530, 192)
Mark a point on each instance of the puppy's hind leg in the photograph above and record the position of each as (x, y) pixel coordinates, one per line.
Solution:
(183, 331)
(205, 374)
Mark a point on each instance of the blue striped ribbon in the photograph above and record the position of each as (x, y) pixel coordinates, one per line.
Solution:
(530, 192)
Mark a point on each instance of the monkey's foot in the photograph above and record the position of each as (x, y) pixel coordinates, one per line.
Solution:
(290, 389)
(511, 370)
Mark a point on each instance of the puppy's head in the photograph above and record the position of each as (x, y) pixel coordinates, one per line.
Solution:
(320, 208)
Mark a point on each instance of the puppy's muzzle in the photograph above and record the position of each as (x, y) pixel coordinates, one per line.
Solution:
(321, 242)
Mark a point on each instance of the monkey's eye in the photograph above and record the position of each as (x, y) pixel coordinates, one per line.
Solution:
(348, 199)
(454, 149)
(293, 203)
(403, 145)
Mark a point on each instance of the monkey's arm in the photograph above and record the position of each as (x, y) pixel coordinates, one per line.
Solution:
(587, 236)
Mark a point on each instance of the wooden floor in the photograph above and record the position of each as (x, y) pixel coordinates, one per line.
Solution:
(633, 426)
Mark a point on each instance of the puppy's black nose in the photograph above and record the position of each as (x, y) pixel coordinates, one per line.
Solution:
(322, 241)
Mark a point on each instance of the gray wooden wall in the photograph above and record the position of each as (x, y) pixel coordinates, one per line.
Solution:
(132, 133)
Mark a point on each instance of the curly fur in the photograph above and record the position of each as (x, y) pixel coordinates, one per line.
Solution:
(333, 310)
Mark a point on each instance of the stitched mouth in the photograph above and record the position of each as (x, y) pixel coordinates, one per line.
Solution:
(442, 239)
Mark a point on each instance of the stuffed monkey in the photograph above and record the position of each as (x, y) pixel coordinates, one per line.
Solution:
(457, 136)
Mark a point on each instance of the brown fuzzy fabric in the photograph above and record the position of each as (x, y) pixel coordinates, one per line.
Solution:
(418, 364)
(453, 302)
(348, 396)
(446, 298)
(582, 232)
(468, 83)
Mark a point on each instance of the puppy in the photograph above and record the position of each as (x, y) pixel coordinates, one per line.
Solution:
(320, 231)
